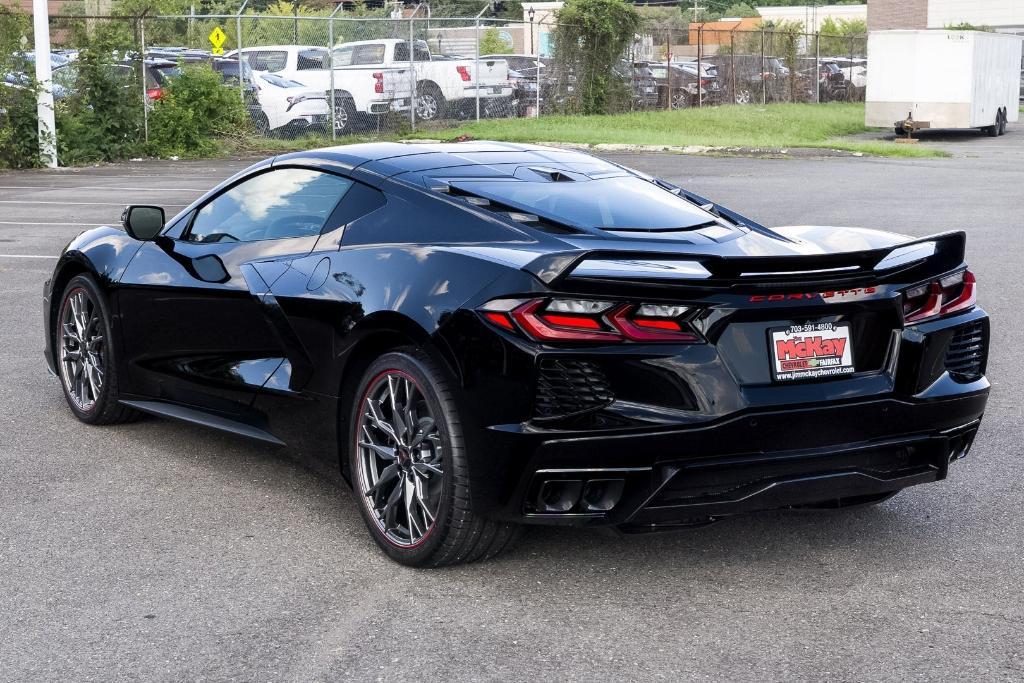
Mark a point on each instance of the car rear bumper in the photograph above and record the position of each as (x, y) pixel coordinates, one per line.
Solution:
(758, 460)
(702, 432)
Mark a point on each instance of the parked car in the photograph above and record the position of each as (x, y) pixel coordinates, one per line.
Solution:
(831, 82)
(678, 87)
(529, 71)
(360, 90)
(444, 87)
(484, 335)
(710, 86)
(290, 107)
(641, 82)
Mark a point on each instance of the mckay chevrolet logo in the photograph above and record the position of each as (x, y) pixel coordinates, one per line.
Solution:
(815, 349)
(811, 351)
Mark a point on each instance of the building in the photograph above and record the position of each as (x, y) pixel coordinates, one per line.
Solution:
(1002, 15)
(721, 32)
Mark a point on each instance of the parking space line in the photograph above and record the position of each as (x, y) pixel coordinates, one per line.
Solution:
(97, 187)
(20, 201)
(80, 225)
(26, 256)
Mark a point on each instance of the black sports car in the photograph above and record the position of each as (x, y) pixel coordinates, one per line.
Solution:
(481, 335)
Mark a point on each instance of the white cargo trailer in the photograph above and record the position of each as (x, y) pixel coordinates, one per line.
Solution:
(943, 79)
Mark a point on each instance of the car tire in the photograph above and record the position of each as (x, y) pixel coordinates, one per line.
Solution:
(261, 124)
(85, 355)
(680, 100)
(345, 115)
(1002, 122)
(412, 484)
(430, 103)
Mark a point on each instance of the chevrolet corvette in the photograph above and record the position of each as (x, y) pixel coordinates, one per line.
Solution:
(479, 336)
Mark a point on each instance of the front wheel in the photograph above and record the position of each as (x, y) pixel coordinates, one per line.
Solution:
(85, 355)
(409, 468)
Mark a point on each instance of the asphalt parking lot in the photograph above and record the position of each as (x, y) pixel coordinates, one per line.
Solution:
(160, 551)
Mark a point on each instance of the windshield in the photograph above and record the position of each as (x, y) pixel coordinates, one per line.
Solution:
(281, 82)
(617, 203)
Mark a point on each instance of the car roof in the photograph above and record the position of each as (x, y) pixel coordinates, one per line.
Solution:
(394, 158)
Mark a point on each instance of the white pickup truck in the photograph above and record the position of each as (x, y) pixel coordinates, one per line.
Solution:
(360, 90)
(444, 86)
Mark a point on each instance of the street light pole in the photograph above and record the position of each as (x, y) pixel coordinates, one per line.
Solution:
(44, 75)
(531, 13)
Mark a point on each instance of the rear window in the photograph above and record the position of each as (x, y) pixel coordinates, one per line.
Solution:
(617, 203)
(267, 60)
(312, 59)
(422, 54)
(366, 54)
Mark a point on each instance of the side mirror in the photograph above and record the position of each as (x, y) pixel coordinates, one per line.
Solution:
(143, 222)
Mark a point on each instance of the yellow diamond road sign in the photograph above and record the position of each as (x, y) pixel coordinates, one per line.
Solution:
(217, 38)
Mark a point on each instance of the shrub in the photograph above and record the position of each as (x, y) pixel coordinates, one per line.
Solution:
(19, 144)
(591, 37)
(101, 117)
(195, 109)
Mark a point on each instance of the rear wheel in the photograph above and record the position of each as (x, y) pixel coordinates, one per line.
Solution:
(85, 356)
(1002, 122)
(409, 466)
(430, 104)
(344, 115)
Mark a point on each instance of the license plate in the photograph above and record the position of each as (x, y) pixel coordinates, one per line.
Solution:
(811, 351)
(648, 89)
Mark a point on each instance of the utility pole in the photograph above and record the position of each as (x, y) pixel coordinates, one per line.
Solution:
(697, 9)
(44, 75)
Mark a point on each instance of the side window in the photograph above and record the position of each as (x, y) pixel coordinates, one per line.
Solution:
(372, 53)
(342, 56)
(288, 202)
(421, 52)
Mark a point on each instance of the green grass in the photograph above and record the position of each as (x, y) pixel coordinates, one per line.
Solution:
(775, 126)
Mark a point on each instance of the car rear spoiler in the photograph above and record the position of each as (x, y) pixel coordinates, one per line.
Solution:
(910, 261)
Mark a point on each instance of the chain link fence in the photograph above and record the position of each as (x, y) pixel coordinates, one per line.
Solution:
(330, 75)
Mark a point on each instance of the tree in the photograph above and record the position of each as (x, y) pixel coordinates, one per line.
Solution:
(966, 26)
(491, 43)
(839, 37)
(591, 37)
(741, 9)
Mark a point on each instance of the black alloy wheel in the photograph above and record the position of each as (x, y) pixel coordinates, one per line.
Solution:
(408, 464)
(84, 354)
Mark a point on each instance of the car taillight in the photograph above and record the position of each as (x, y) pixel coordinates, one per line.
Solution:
(463, 73)
(949, 294)
(378, 85)
(154, 93)
(705, 81)
(585, 320)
